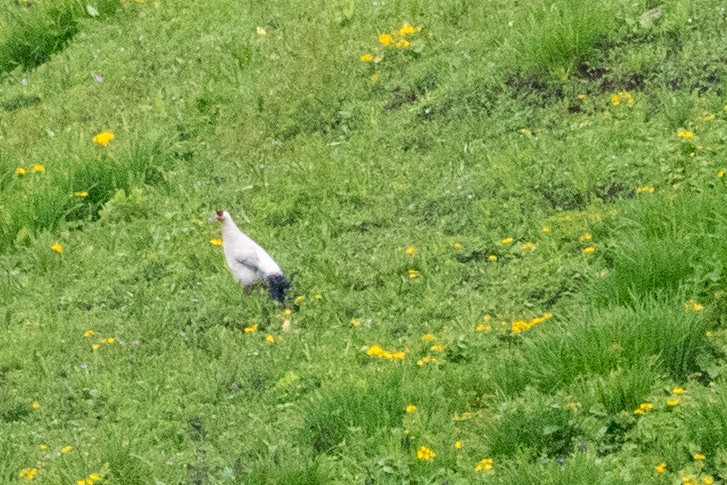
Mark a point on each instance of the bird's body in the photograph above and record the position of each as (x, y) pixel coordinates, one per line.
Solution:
(248, 261)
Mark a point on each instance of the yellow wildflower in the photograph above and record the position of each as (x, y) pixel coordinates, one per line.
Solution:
(693, 306)
(66, 449)
(699, 456)
(581, 96)
(104, 138)
(261, 31)
(639, 411)
(317, 296)
(37, 168)
(95, 346)
(507, 240)
(685, 134)
(270, 339)
(81, 194)
(28, 473)
(366, 57)
(374, 77)
(463, 417)
(20, 171)
(526, 132)
(107, 340)
(485, 465)
(545, 229)
(82, 481)
(458, 445)
(492, 258)
(709, 117)
(457, 246)
(645, 189)
(57, 247)
(527, 246)
(483, 327)
(287, 312)
(677, 390)
(615, 100)
(437, 348)
(216, 241)
(88, 333)
(300, 298)
(410, 408)
(708, 333)
(425, 453)
(386, 39)
(402, 43)
(355, 322)
(707, 479)
(428, 337)
(35, 405)
(586, 236)
(407, 29)
(413, 274)
(42, 447)
(411, 250)
(660, 468)
(427, 360)
(672, 402)
(720, 173)
(589, 250)
(250, 329)
(94, 477)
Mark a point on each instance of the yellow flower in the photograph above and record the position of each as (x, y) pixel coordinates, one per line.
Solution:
(507, 240)
(677, 390)
(386, 39)
(82, 481)
(81, 194)
(685, 134)
(707, 479)
(589, 250)
(424, 453)
(645, 189)
(287, 312)
(374, 77)
(66, 449)
(402, 43)
(300, 298)
(527, 246)
(660, 468)
(699, 456)
(458, 445)
(407, 29)
(639, 411)
(581, 96)
(270, 339)
(410, 250)
(410, 408)
(672, 402)
(28, 473)
(526, 132)
(35, 405)
(437, 348)
(643, 407)
(261, 31)
(615, 100)
(693, 306)
(492, 258)
(413, 274)
(107, 340)
(104, 138)
(250, 329)
(586, 236)
(42, 447)
(720, 173)
(95, 346)
(457, 246)
(428, 337)
(93, 477)
(37, 168)
(317, 296)
(709, 117)
(482, 327)
(366, 57)
(355, 322)
(216, 241)
(88, 333)
(545, 229)
(485, 465)
(20, 171)
(623, 96)
(708, 333)
(57, 247)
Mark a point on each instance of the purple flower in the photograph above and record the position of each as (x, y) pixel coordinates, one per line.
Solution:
(98, 79)
(24, 82)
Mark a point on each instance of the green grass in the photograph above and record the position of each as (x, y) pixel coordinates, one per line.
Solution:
(544, 122)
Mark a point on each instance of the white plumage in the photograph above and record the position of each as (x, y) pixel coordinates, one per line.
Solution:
(248, 261)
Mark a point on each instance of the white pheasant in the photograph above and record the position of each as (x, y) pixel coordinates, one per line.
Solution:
(248, 261)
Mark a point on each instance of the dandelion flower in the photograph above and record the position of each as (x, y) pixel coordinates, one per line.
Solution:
(37, 168)
(709, 117)
(677, 390)
(386, 39)
(672, 402)
(693, 306)
(104, 138)
(108, 340)
(708, 333)
(261, 31)
(355, 322)
(407, 29)
(581, 96)
(28, 473)
(507, 240)
(299, 299)
(615, 100)
(545, 229)
(457, 246)
(437, 348)
(586, 236)
(699, 456)
(413, 274)
(57, 247)
(707, 479)
(317, 296)
(492, 258)
(411, 250)
(81, 194)
(458, 445)
(645, 189)
(410, 408)
(66, 449)
(216, 241)
(35, 405)
(589, 250)
(402, 43)
(425, 453)
(660, 468)
(720, 173)
(483, 327)
(485, 465)
(42, 447)
(428, 337)
(685, 134)
(250, 329)
(88, 333)
(95, 346)
(20, 171)
(270, 339)
(366, 57)
(287, 312)
(527, 246)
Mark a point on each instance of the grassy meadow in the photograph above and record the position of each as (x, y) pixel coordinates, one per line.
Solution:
(505, 223)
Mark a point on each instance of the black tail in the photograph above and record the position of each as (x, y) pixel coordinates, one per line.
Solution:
(278, 287)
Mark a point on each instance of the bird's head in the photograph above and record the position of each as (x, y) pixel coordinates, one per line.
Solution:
(220, 216)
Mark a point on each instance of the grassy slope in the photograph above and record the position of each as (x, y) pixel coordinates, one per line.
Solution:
(473, 134)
